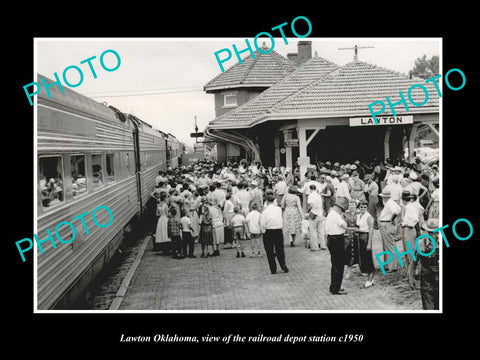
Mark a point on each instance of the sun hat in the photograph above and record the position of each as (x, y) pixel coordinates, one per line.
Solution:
(385, 193)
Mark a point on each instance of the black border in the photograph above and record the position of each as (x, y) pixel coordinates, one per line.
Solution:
(390, 332)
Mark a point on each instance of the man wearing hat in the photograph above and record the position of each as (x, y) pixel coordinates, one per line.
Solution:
(360, 169)
(415, 186)
(388, 229)
(335, 227)
(335, 181)
(429, 266)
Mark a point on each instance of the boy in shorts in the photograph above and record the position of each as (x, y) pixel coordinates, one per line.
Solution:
(238, 230)
(253, 229)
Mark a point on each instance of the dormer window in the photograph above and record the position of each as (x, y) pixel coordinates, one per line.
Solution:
(230, 100)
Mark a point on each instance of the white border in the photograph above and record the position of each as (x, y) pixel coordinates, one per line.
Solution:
(35, 263)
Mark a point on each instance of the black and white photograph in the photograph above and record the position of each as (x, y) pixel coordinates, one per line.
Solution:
(293, 178)
(228, 180)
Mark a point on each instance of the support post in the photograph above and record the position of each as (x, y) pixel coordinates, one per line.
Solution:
(287, 135)
(386, 143)
(302, 148)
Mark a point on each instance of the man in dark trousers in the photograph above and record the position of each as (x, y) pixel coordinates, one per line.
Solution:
(271, 224)
(335, 226)
(429, 273)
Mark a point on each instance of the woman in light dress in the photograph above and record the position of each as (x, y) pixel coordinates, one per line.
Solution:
(194, 206)
(292, 214)
(161, 234)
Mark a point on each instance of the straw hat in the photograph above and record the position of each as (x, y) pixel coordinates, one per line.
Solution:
(342, 203)
(385, 193)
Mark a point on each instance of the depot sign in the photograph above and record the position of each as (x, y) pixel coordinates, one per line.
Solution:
(385, 120)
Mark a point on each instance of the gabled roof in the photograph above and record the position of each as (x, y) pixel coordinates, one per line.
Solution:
(307, 73)
(349, 91)
(262, 71)
(340, 92)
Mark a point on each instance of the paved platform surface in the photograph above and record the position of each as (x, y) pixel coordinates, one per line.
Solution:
(228, 283)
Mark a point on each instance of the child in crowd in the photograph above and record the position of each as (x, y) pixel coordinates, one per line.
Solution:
(174, 229)
(253, 229)
(238, 226)
(306, 230)
(187, 239)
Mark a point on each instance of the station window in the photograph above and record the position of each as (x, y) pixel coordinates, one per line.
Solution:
(50, 170)
(97, 173)
(230, 100)
(110, 167)
(79, 179)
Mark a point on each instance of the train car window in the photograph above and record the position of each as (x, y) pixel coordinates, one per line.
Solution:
(50, 171)
(79, 179)
(110, 167)
(97, 173)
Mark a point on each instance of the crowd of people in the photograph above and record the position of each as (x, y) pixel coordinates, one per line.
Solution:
(333, 206)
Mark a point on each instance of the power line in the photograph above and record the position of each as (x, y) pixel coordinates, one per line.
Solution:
(156, 89)
(159, 93)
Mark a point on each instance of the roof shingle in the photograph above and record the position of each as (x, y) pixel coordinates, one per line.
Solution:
(307, 73)
(354, 87)
(264, 70)
(320, 88)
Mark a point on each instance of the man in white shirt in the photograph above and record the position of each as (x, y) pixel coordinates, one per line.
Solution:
(316, 220)
(280, 188)
(415, 187)
(335, 226)
(306, 189)
(395, 188)
(335, 180)
(343, 189)
(253, 229)
(271, 224)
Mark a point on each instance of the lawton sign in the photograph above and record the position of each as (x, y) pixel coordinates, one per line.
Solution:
(384, 120)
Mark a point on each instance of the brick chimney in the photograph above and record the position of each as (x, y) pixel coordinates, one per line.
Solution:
(304, 51)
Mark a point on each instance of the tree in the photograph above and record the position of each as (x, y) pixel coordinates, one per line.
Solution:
(425, 68)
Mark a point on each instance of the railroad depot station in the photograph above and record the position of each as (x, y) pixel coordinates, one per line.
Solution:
(305, 109)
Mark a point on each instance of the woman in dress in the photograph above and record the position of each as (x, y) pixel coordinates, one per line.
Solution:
(193, 214)
(364, 225)
(206, 234)
(351, 243)
(357, 186)
(292, 214)
(161, 234)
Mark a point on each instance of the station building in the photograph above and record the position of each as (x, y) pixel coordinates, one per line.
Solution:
(319, 112)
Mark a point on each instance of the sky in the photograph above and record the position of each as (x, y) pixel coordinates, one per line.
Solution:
(167, 75)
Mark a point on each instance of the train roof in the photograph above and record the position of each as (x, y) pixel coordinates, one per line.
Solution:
(70, 100)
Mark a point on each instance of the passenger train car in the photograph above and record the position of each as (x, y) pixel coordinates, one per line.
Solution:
(89, 155)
